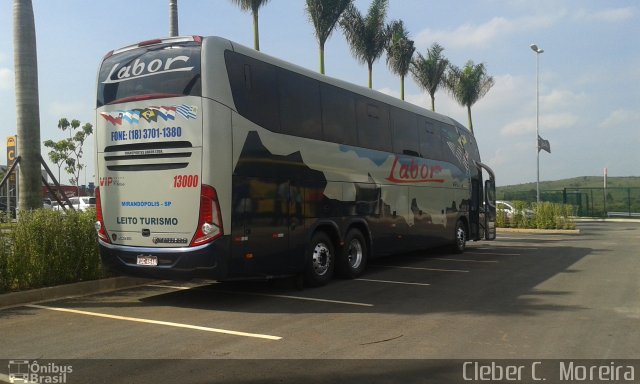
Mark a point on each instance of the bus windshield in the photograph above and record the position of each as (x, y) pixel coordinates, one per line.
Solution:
(166, 70)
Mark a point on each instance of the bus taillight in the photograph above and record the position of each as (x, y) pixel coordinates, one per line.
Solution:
(102, 232)
(210, 221)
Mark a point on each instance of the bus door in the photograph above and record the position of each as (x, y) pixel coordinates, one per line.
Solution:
(475, 208)
(490, 210)
(261, 225)
(487, 217)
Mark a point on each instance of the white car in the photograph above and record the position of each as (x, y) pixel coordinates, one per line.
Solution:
(510, 209)
(79, 203)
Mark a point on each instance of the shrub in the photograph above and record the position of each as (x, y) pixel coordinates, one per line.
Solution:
(48, 248)
(554, 216)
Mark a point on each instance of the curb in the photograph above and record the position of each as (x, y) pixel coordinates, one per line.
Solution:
(83, 288)
(539, 231)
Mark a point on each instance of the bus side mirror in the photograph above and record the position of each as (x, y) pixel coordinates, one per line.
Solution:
(490, 209)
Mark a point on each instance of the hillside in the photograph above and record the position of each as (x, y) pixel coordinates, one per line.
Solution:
(576, 182)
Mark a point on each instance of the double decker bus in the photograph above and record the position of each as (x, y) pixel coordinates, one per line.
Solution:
(218, 161)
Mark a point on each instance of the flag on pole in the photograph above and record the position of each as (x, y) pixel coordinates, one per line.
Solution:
(543, 145)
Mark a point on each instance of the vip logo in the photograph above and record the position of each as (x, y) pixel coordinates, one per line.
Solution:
(106, 181)
(111, 181)
(142, 69)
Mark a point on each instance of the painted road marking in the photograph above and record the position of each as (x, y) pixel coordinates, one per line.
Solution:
(420, 268)
(157, 322)
(169, 286)
(393, 282)
(493, 253)
(271, 295)
(296, 298)
(464, 260)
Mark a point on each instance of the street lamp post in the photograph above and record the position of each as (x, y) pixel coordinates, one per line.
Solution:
(538, 51)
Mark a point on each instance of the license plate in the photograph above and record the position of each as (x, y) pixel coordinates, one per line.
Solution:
(147, 260)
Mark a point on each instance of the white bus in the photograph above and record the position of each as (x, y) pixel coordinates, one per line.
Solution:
(218, 161)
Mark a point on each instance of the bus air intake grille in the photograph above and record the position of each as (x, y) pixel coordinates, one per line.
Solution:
(157, 156)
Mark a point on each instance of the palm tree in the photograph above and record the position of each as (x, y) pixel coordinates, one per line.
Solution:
(468, 85)
(253, 6)
(399, 51)
(367, 36)
(430, 72)
(324, 15)
(27, 106)
(173, 17)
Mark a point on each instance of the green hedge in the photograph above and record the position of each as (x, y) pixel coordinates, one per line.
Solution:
(540, 216)
(46, 248)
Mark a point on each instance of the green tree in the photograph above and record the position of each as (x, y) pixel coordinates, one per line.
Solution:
(324, 15)
(399, 51)
(59, 153)
(253, 6)
(27, 105)
(468, 85)
(430, 72)
(70, 151)
(367, 35)
(173, 17)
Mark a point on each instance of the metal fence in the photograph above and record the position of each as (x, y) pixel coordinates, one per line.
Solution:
(589, 202)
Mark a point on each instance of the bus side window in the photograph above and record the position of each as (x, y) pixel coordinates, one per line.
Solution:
(405, 132)
(299, 105)
(373, 125)
(338, 115)
(430, 142)
(254, 89)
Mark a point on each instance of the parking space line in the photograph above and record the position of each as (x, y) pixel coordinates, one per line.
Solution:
(420, 268)
(305, 298)
(392, 282)
(464, 260)
(295, 298)
(157, 322)
(492, 253)
(169, 286)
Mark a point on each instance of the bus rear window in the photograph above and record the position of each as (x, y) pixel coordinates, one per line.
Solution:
(166, 70)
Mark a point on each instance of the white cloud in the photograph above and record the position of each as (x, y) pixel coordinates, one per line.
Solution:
(621, 118)
(612, 15)
(469, 35)
(548, 122)
(561, 99)
(6, 79)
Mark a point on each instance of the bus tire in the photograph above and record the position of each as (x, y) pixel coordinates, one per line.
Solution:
(320, 260)
(460, 239)
(353, 259)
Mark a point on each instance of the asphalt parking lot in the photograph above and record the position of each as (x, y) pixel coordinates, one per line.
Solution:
(523, 296)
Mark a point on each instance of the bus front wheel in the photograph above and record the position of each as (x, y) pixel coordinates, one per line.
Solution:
(460, 241)
(320, 260)
(353, 259)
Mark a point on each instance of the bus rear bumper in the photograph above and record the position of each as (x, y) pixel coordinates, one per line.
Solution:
(205, 261)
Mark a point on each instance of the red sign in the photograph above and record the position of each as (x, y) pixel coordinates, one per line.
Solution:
(414, 171)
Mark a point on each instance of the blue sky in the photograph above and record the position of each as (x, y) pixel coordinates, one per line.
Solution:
(589, 72)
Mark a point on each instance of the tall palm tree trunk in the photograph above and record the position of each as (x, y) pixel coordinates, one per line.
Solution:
(322, 59)
(27, 107)
(401, 87)
(433, 103)
(470, 122)
(256, 32)
(173, 18)
(370, 66)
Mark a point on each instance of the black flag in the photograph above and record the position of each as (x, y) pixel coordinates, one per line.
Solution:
(543, 145)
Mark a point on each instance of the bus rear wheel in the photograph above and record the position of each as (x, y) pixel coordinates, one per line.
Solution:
(460, 240)
(320, 260)
(352, 261)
